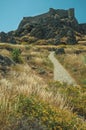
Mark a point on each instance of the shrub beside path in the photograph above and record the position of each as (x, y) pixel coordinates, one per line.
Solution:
(60, 73)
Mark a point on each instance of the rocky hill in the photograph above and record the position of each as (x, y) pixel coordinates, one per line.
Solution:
(59, 25)
(43, 83)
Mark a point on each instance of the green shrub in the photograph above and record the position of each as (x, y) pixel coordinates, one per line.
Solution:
(50, 117)
(16, 55)
(75, 96)
(32, 113)
(84, 81)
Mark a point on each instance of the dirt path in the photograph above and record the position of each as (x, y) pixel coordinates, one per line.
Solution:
(60, 73)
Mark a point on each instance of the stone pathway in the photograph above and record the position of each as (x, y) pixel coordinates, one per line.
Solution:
(60, 73)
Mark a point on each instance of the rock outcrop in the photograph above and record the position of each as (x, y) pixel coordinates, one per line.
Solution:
(3, 37)
(6, 61)
(55, 24)
(60, 51)
(7, 37)
(83, 28)
(46, 25)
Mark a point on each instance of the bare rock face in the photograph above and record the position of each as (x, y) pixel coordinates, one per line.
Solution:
(71, 39)
(57, 40)
(3, 37)
(55, 24)
(5, 61)
(82, 27)
(7, 37)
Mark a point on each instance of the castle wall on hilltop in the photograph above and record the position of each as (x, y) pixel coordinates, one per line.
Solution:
(63, 13)
(71, 13)
(60, 12)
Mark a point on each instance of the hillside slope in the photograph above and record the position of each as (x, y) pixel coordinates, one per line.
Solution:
(60, 26)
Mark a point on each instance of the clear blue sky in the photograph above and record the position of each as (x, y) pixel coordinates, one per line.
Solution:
(12, 11)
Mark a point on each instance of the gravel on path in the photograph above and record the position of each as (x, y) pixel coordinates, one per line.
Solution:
(60, 73)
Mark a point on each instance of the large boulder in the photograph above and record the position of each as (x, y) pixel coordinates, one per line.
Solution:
(6, 61)
(60, 51)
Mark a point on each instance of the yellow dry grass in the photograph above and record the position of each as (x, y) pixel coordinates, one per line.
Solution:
(4, 52)
(24, 81)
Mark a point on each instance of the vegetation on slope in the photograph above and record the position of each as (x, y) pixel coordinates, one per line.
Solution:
(27, 101)
(22, 104)
(74, 61)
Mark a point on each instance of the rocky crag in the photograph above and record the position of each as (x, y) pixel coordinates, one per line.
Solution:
(59, 25)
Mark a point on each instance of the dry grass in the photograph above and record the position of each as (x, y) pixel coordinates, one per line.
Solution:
(24, 81)
(4, 52)
(33, 55)
(38, 60)
(75, 62)
(8, 46)
(21, 80)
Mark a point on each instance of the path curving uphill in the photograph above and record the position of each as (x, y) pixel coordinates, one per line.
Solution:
(60, 73)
